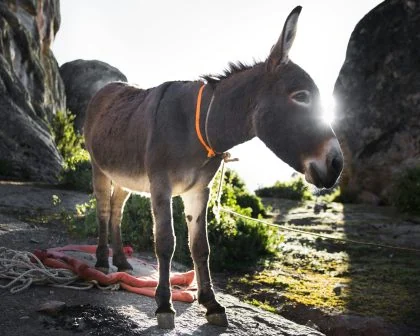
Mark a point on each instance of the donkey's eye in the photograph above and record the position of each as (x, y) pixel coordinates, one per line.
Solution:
(301, 97)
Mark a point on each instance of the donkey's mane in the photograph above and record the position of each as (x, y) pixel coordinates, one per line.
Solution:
(232, 68)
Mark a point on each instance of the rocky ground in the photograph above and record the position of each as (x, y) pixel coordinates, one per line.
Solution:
(340, 288)
(334, 287)
(31, 218)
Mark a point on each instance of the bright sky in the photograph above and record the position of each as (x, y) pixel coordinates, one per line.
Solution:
(155, 41)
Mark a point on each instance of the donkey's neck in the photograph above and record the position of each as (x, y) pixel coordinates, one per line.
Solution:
(230, 120)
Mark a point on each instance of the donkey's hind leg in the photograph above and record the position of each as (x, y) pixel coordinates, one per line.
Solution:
(118, 199)
(102, 189)
(196, 212)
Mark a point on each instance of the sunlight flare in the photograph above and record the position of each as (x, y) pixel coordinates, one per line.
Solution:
(329, 104)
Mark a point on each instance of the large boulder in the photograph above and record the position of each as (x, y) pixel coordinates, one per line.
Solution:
(378, 99)
(82, 79)
(31, 89)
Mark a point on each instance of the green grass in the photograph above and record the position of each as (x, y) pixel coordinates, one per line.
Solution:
(406, 195)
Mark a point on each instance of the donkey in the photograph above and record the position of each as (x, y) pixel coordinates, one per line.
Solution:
(152, 141)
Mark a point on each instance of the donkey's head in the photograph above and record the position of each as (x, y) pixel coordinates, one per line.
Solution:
(288, 115)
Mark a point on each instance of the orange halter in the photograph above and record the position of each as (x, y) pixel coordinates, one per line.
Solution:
(210, 151)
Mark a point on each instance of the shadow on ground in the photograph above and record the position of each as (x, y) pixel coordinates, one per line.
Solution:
(341, 288)
(383, 281)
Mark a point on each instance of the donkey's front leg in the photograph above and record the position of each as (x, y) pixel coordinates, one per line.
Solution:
(196, 215)
(165, 246)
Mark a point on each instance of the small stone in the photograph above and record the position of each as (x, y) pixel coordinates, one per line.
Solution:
(51, 307)
(312, 325)
(338, 289)
(79, 324)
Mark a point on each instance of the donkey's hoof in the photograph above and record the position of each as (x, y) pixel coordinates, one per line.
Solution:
(166, 320)
(123, 265)
(219, 319)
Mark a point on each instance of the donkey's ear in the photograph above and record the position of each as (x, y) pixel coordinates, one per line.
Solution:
(280, 51)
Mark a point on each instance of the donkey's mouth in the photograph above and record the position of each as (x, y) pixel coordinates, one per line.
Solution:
(324, 169)
(315, 176)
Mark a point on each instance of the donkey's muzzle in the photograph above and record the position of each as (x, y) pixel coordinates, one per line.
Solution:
(324, 171)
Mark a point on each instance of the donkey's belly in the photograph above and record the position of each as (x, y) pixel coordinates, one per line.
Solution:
(141, 183)
(138, 184)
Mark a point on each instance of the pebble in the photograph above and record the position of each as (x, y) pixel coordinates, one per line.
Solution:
(338, 289)
(51, 307)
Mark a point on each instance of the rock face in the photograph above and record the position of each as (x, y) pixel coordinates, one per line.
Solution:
(31, 89)
(378, 98)
(82, 79)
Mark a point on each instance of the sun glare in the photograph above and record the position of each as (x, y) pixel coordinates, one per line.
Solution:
(328, 103)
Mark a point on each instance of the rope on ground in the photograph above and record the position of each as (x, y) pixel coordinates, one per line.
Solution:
(24, 269)
(345, 240)
(218, 207)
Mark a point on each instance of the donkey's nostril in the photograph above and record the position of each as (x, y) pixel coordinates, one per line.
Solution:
(337, 164)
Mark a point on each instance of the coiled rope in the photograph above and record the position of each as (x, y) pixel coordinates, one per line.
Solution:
(24, 269)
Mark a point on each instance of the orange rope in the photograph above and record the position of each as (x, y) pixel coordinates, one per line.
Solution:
(210, 152)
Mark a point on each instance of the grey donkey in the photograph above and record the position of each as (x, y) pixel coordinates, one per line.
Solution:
(148, 141)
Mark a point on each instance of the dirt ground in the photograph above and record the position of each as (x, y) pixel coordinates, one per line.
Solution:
(342, 288)
(30, 219)
(335, 287)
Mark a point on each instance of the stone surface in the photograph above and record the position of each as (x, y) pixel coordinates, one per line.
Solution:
(378, 99)
(31, 89)
(348, 325)
(82, 79)
(343, 289)
(123, 313)
(134, 315)
(96, 312)
(26, 197)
